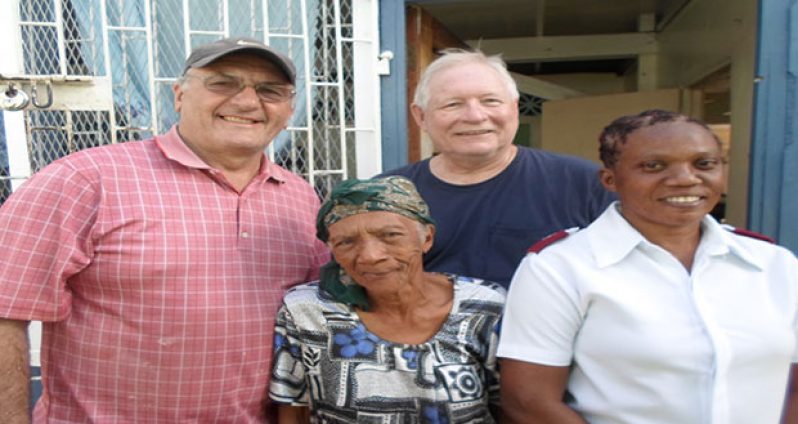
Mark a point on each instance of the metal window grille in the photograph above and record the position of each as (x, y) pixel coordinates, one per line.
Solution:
(113, 63)
(57, 133)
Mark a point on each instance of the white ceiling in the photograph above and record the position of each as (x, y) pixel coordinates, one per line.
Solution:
(472, 20)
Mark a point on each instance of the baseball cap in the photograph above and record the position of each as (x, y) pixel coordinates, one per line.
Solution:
(205, 54)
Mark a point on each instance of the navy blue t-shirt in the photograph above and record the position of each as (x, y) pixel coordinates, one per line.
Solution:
(484, 230)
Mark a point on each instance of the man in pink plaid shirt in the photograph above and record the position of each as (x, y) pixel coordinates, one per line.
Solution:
(157, 266)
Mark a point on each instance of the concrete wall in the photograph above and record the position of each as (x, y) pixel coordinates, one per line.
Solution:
(706, 36)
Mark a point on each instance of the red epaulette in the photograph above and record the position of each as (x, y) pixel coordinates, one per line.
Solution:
(749, 233)
(549, 240)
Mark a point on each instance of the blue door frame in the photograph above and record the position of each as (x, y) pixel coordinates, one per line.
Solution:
(773, 190)
(394, 86)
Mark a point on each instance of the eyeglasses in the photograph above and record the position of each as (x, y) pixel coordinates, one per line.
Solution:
(227, 85)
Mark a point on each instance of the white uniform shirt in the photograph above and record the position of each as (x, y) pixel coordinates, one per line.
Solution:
(650, 342)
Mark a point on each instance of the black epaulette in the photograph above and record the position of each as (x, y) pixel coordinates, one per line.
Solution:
(551, 239)
(748, 233)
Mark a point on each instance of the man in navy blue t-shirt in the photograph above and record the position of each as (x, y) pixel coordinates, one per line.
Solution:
(491, 199)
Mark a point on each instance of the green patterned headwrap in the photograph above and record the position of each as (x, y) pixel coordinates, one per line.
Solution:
(351, 197)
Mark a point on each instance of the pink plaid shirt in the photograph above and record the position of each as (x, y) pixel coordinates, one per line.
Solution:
(157, 282)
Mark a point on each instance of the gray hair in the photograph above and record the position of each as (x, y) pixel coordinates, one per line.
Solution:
(454, 57)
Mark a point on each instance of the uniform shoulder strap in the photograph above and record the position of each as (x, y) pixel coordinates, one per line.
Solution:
(550, 239)
(748, 233)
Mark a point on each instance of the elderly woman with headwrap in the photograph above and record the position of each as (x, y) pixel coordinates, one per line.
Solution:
(377, 339)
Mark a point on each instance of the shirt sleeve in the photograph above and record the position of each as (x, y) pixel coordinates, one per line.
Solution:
(287, 385)
(541, 317)
(45, 230)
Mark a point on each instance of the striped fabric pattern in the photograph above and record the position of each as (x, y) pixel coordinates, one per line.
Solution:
(157, 281)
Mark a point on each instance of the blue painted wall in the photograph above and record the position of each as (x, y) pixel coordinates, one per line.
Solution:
(773, 191)
(394, 86)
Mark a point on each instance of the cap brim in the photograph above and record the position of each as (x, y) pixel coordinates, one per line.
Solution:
(272, 57)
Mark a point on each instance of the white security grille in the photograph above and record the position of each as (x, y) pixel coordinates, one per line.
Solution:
(112, 64)
(54, 134)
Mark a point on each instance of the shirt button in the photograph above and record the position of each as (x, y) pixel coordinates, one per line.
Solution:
(244, 234)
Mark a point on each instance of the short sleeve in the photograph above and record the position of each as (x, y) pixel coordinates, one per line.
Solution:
(542, 316)
(287, 383)
(45, 230)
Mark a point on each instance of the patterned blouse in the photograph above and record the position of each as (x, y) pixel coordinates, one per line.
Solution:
(325, 358)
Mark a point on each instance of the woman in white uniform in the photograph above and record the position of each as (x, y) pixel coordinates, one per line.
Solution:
(654, 313)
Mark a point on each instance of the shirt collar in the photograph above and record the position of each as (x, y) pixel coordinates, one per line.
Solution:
(174, 148)
(612, 226)
(717, 241)
(611, 238)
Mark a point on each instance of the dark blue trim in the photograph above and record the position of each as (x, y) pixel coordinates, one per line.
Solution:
(35, 385)
(773, 182)
(393, 87)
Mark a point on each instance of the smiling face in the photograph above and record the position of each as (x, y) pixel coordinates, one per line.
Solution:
(382, 251)
(668, 176)
(215, 125)
(470, 113)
